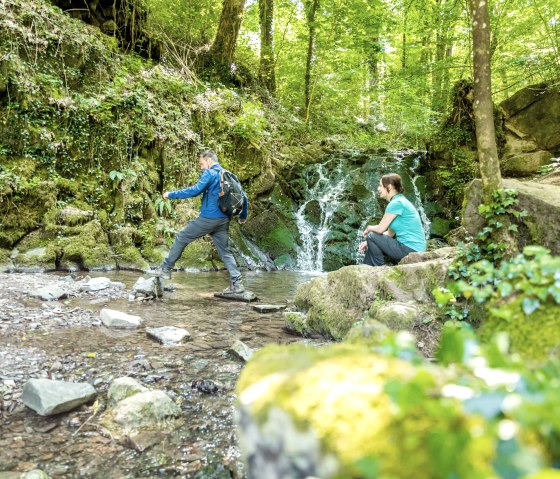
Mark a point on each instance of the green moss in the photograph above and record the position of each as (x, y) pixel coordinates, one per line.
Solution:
(296, 322)
(369, 332)
(346, 396)
(198, 254)
(88, 247)
(5, 256)
(535, 336)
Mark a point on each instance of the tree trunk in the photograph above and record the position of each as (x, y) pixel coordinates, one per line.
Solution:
(223, 48)
(266, 68)
(310, 51)
(482, 105)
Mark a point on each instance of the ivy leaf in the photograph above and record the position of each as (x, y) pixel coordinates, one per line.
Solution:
(530, 305)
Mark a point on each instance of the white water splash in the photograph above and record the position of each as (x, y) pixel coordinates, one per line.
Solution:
(418, 203)
(327, 191)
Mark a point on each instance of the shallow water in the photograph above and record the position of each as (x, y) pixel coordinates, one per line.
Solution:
(75, 444)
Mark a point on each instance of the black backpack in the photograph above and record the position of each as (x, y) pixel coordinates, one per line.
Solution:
(230, 198)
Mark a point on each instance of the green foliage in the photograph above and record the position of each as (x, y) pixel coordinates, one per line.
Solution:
(472, 270)
(526, 398)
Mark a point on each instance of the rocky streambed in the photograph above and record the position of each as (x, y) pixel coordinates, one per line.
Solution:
(65, 339)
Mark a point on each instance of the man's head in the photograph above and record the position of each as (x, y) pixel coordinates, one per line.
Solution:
(207, 159)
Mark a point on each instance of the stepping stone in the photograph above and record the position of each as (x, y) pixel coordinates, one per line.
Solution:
(49, 293)
(246, 297)
(117, 319)
(268, 308)
(168, 335)
(47, 397)
(240, 349)
(96, 284)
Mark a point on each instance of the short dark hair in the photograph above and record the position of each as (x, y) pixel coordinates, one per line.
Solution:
(210, 154)
(392, 179)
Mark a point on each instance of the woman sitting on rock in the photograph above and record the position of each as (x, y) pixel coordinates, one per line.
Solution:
(400, 230)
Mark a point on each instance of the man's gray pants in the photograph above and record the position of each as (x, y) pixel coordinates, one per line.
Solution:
(218, 229)
(380, 245)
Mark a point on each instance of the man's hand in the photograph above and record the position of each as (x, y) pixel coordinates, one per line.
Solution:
(241, 222)
(166, 195)
(363, 247)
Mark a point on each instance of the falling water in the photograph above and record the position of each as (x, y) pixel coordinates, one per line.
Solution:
(418, 203)
(327, 191)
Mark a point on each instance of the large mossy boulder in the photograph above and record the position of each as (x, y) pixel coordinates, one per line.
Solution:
(531, 127)
(275, 234)
(540, 200)
(333, 303)
(344, 411)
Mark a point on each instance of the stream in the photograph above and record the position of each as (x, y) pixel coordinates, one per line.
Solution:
(74, 444)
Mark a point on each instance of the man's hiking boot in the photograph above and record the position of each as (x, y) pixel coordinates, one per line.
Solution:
(160, 272)
(236, 287)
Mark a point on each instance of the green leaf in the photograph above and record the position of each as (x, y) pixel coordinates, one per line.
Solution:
(530, 305)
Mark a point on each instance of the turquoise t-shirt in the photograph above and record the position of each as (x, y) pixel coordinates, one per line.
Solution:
(407, 225)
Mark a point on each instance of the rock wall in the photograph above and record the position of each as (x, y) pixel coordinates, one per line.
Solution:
(541, 200)
(531, 123)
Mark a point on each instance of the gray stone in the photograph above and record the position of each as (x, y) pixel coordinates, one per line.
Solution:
(534, 112)
(246, 297)
(124, 387)
(268, 308)
(168, 335)
(49, 293)
(242, 350)
(540, 200)
(48, 397)
(96, 284)
(525, 164)
(145, 410)
(35, 474)
(420, 257)
(152, 287)
(117, 319)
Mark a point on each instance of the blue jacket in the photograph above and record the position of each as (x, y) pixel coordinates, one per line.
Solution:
(209, 185)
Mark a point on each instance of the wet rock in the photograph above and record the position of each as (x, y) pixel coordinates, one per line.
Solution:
(296, 322)
(205, 385)
(144, 440)
(122, 388)
(241, 350)
(117, 319)
(96, 284)
(268, 308)
(49, 293)
(145, 410)
(246, 297)
(168, 335)
(151, 287)
(47, 397)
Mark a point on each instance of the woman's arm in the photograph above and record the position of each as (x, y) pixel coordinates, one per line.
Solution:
(382, 226)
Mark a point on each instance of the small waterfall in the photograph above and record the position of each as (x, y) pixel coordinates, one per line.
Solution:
(339, 199)
(418, 203)
(326, 192)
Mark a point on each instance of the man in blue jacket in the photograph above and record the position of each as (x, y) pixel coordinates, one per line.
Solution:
(211, 221)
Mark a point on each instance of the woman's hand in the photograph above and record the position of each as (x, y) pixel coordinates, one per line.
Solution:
(363, 247)
(368, 230)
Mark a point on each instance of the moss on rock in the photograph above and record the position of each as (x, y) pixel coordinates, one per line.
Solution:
(335, 302)
(346, 397)
(86, 247)
(535, 336)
